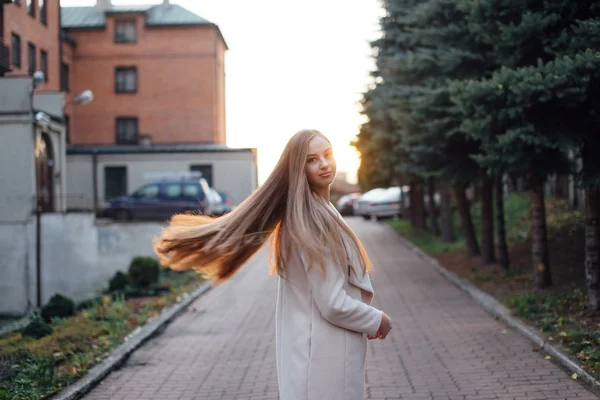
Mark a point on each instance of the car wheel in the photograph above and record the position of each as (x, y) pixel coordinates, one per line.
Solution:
(122, 215)
(366, 217)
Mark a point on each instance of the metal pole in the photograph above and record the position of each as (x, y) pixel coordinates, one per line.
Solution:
(95, 182)
(38, 227)
(38, 252)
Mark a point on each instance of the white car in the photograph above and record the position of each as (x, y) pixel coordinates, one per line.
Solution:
(361, 207)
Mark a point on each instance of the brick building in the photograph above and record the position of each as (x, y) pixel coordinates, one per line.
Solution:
(156, 71)
(158, 79)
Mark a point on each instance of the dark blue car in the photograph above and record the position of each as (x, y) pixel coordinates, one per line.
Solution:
(160, 200)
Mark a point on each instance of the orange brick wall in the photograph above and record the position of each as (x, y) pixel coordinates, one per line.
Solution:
(44, 37)
(180, 79)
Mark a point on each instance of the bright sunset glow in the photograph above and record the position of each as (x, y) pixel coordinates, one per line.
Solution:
(290, 65)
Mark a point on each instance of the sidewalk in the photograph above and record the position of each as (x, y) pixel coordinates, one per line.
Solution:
(443, 346)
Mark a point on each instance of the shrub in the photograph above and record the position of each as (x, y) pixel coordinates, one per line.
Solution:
(37, 329)
(118, 282)
(58, 306)
(143, 271)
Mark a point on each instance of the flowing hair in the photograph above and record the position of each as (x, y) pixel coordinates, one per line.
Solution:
(285, 206)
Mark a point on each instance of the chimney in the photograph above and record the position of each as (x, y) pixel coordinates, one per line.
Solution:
(103, 5)
(166, 2)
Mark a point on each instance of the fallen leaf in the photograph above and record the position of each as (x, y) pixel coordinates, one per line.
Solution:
(574, 376)
(547, 357)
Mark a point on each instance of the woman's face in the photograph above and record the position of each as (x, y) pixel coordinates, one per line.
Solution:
(320, 164)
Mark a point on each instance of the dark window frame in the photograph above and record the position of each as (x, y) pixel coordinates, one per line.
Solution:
(31, 55)
(44, 64)
(124, 189)
(67, 122)
(119, 134)
(64, 77)
(123, 88)
(31, 7)
(16, 50)
(43, 9)
(125, 22)
(207, 171)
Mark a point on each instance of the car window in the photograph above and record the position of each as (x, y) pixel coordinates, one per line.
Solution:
(172, 190)
(191, 190)
(216, 197)
(147, 192)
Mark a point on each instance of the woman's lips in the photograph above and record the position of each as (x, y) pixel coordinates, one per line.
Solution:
(326, 174)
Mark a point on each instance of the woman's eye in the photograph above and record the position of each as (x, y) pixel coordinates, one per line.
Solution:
(312, 159)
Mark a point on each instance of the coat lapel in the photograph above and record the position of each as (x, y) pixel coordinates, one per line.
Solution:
(356, 276)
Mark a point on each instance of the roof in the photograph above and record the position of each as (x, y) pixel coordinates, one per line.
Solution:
(156, 15)
(155, 148)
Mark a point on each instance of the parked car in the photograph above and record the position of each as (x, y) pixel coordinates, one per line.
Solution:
(160, 200)
(345, 204)
(386, 204)
(216, 205)
(228, 203)
(361, 206)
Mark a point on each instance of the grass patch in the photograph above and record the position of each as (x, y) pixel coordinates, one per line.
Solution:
(516, 218)
(559, 312)
(37, 368)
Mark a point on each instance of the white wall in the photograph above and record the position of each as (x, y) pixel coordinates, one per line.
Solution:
(233, 172)
(78, 257)
(17, 174)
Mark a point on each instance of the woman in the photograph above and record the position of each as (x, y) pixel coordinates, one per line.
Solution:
(323, 311)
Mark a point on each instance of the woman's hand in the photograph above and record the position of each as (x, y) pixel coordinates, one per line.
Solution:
(384, 328)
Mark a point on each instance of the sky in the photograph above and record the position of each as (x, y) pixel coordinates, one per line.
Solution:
(291, 65)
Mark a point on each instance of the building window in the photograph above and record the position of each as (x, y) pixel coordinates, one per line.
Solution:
(115, 182)
(44, 64)
(206, 171)
(16, 50)
(31, 7)
(67, 129)
(31, 58)
(127, 130)
(64, 77)
(43, 12)
(125, 31)
(126, 80)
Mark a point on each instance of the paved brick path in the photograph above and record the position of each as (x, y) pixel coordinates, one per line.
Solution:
(443, 346)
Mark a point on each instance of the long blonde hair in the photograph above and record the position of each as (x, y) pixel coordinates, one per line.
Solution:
(284, 206)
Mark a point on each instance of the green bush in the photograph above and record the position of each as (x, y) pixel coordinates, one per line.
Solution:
(143, 272)
(37, 329)
(59, 306)
(118, 282)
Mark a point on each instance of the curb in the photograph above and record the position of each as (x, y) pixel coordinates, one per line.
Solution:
(134, 340)
(499, 311)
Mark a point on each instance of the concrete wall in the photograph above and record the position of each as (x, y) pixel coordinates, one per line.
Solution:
(78, 257)
(17, 175)
(233, 172)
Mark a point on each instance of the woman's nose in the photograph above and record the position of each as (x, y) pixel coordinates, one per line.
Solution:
(324, 162)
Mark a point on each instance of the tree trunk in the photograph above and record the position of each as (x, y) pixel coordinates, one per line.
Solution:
(466, 221)
(592, 246)
(488, 255)
(539, 238)
(417, 205)
(433, 223)
(446, 213)
(562, 187)
(503, 258)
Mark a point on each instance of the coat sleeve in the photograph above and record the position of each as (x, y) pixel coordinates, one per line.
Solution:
(334, 303)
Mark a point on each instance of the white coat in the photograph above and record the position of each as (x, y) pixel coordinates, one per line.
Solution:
(321, 327)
